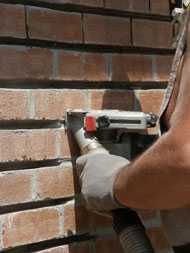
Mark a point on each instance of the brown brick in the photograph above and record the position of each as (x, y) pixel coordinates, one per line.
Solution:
(73, 99)
(52, 104)
(79, 248)
(94, 3)
(82, 66)
(76, 219)
(13, 104)
(48, 104)
(150, 101)
(24, 145)
(68, 146)
(12, 21)
(139, 6)
(121, 100)
(15, 187)
(163, 67)
(95, 67)
(50, 183)
(55, 182)
(106, 30)
(21, 63)
(66, 143)
(98, 222)
(74, 248)
(119, 4)
(70, 66)
(160, 6)
(131, 68)
(30, 226)
(149, 33)
(46, 24)
(108, 245)
(132, 5)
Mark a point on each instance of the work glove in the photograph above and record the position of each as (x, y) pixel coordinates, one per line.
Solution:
(97, 173)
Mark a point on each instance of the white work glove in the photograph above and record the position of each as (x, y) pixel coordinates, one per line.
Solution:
(97, 173)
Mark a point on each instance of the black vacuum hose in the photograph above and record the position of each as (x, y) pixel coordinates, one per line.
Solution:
(131, 232)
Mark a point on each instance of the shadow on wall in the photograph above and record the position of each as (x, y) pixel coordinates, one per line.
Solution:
(115, 99)
(79, 219)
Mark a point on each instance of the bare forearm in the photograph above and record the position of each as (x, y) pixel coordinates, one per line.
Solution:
(158, 179)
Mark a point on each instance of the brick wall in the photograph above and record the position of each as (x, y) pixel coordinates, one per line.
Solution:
(57, 55)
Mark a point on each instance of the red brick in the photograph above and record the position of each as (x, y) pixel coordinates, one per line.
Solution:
(12, 21)
(94, 3)
(55, 182)
(150, 101)
(30, 226)
(76, 219)
(108, 245)
(68, 146)
(121, 100)
(148, 33)
(131, 68)
(52, 104)
(163, 67)
(106, 30)
(21, 63)
(132, 5)
(15, 187)
(99, 222)
(119, 4)
(74, 248)
(13, 104)
(50, 183)
(70, 66)
(82, 66)
(48, 104)
(24, 145)
(160, 6)
(46, 24)
(139, 6)
(73, 99)
(95, 67)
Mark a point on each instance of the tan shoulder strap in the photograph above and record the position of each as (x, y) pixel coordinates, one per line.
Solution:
(176, 62)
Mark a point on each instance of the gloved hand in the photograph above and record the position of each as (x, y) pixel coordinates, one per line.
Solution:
(97, 173)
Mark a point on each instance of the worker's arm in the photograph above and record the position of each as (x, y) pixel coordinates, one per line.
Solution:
(160, 178)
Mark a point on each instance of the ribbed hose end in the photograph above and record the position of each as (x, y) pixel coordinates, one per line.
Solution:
(131, 232)
(133, 239)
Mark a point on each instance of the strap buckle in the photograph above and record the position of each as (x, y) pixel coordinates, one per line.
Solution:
(186, 4)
